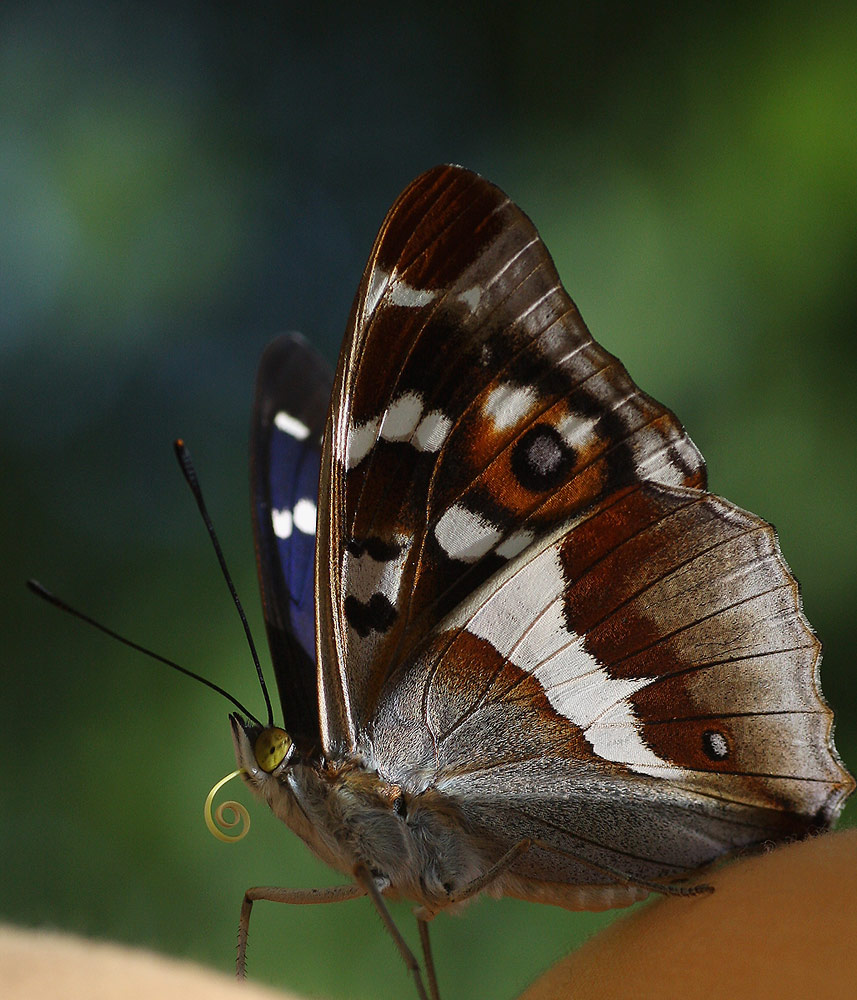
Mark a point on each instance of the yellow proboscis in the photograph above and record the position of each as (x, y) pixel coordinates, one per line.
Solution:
(219, 818)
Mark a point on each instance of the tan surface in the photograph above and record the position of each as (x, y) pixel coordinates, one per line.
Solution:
(41, 965)
(782, 925)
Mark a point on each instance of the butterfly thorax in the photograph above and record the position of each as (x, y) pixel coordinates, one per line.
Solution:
(349, 815)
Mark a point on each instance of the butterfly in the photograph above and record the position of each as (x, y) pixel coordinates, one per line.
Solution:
(520, 649)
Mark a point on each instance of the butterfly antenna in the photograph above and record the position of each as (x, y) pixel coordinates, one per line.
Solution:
(57, 602)
(189, 472)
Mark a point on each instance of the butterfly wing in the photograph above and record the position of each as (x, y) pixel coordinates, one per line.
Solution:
(636, 692)
(621, 667)
(292, 396)
(472, 411)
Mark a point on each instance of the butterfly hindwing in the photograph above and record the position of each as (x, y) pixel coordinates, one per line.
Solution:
(636, 691)
(292, 397)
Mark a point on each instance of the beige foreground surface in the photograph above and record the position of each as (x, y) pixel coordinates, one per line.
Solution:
(780, 925)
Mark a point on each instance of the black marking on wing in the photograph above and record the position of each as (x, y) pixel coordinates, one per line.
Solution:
(375, 615)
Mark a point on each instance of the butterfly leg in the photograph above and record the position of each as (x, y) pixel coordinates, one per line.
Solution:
(428, 960)
(274, 894)
(487, 877)
(424, 914)
(364, 877)
(471, 889)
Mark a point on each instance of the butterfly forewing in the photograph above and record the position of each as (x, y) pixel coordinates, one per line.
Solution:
(472, 413)
(292, 398)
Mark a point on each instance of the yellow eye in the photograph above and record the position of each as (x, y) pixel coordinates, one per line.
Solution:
(271, 748)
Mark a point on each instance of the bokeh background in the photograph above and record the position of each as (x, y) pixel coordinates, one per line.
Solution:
(179, 183)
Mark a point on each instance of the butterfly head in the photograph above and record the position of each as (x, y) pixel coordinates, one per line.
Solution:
(266, 749)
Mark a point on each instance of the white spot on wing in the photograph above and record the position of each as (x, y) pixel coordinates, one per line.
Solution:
(432, 431)
(363, 576)
(401, 294)
(402, 417)
(508, 404)
(577, 430)
(377, 284)
(291, 425)
(281, 520)
(361, 440)
(471, 297)
(304, 516)
(464, 535)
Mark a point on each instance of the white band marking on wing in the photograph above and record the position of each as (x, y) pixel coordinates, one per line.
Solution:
(402, 294)
(524, 621)
(514, 544)
(402, 421)
(471, 297)
(363, 576)
(361, 440)
(377, 284)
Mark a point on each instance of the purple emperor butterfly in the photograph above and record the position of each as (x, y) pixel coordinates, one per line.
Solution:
(520, 648)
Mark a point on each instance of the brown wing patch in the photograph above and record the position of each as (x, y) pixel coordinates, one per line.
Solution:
(474, 701)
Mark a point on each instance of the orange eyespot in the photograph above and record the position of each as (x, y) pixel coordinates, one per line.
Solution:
(271, 748)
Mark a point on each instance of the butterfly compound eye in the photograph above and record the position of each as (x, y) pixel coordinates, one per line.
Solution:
(271, 748)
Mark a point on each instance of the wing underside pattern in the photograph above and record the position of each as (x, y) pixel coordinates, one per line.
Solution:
(527, 601)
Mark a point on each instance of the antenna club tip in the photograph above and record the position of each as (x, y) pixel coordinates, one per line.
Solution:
(185, 464)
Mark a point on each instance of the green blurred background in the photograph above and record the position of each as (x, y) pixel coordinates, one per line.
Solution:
(180, 183)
